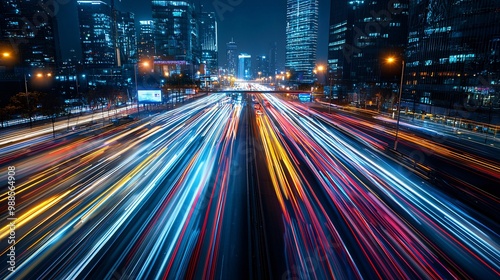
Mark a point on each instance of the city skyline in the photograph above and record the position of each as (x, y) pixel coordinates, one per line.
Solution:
(252, 27)
(176, 145)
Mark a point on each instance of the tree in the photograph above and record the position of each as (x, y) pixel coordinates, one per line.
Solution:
(176, 83)
(52, 106)
(26, 104)
(5, 113)
(95, 96)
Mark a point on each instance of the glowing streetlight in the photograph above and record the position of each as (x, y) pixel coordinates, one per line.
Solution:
(41, 75)
(136, 66)
(37, 75)
(391, 60)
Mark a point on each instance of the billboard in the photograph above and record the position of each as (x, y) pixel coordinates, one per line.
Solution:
(304, 97)
(149, 95)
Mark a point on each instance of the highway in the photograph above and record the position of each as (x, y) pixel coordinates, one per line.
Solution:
(355, 214)
(213, 189)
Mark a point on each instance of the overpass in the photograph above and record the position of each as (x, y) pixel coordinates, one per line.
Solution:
(272, 91)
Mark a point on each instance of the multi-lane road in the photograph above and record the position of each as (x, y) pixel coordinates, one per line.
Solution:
(215, 189)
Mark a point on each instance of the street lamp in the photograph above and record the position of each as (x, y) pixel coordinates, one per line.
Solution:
(319, 70)
(393, 60)
(27, 99)
(7, 56)
(136, 66)
(331, 94)
(38, 75)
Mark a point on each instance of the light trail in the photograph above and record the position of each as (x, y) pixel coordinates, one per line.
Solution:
(367, 192)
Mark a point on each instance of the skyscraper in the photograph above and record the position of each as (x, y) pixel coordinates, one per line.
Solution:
(361, 34)
(208, 40)
(244, 66)
(96, 33)
(340, 47)
(127, 41)
(146, 42)
(231, 57)
(453, 57)
(375, 36)
(261, 67)
(176, 35)
(301, 38)
(30, 31)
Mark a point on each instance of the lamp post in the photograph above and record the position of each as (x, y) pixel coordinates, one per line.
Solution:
(136, 66)
(392, 60)
(53, 113)
(331, 94)
(136, 90)
(27, 99)
(320, 69)
(4, 57)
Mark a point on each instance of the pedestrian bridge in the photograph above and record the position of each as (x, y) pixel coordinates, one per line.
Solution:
(294, 92)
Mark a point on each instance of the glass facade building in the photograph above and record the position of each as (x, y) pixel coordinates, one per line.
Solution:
(176, 34)
(30, 32)
(244, 66)
(96, 33)
(209, 44)
(231, 56)
(301, 39)
(261, 68)
(340, 46)
(146, 42)
(126, 33)
(453, 56)
(361, 35)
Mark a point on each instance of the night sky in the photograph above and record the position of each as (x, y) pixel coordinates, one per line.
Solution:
(254, 25)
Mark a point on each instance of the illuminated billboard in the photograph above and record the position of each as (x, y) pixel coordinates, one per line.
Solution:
(149, 96)
(304, 97)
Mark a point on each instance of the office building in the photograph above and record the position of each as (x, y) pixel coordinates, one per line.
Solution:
(32, 39)
(340, 48)
(146, 42)
(96, 33)
(359, 41)
(126, 35)
(231, 58)
(244, 66)
(208, 41)
(177, 44)
(261, 67)
(301, 39)
(453, 57)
